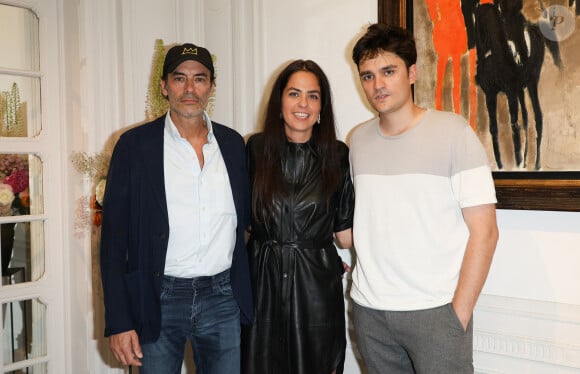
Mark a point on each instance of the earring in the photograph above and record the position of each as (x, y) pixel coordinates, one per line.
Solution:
(318, 118)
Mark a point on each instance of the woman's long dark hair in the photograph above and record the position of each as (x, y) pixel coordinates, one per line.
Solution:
(268, 180)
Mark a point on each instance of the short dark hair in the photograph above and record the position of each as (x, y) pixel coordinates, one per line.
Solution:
(381, 37)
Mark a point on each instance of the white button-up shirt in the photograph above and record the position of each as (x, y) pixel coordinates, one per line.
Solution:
(200, 204)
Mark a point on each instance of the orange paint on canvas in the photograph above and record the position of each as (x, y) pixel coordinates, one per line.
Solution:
(450, 43)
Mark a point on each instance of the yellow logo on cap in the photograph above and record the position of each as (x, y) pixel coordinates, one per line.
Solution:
(189, 51)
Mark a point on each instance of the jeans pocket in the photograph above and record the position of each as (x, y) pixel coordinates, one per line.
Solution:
(166, 288)
(224, 288)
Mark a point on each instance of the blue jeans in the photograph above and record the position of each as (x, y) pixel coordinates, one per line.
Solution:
(203, 311)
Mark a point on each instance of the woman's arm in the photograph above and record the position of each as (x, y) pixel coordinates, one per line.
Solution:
(344, 238)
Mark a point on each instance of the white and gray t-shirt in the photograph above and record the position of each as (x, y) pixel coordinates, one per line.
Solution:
(409, 232)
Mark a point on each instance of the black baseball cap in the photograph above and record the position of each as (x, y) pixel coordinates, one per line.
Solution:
(179, 53)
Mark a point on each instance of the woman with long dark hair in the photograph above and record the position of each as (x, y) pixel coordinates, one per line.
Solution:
(302, 201)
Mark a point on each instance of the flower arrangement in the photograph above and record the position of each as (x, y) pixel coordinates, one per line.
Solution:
(94, 167)
(14, 195)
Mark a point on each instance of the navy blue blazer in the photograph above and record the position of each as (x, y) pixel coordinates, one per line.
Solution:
(135, 229)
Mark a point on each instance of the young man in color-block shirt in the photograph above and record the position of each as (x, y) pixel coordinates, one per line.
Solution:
(424, 227)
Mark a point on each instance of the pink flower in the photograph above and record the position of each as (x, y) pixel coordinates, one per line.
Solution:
(18, 180)
(9, 163)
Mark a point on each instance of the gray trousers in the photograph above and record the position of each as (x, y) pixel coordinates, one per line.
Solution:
(429, 341)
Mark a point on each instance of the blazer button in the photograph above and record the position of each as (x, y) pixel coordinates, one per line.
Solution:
(156, 274)
(163, 236)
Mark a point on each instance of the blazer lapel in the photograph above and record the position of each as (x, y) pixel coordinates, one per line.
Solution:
(230, 160)
(154, 169)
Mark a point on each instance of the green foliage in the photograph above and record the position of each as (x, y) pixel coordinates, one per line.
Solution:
(156, 104)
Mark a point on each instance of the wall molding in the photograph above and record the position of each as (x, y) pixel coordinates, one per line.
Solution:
(529, 330)
(527, 348)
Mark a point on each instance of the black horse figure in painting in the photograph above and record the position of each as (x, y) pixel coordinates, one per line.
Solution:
(571, 2)
(510, 54)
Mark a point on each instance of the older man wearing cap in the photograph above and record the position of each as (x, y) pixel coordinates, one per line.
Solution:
(173, 259)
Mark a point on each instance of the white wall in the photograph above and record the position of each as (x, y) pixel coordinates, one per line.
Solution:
(529, 317)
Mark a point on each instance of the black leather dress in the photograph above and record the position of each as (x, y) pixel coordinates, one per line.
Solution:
(299, 324)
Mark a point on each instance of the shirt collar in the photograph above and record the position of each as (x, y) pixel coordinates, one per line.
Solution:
(174, 133)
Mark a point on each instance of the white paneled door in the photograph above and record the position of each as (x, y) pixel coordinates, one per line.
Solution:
(31, 292)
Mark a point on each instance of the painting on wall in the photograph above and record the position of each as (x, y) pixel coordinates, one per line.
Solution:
(511, 68)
